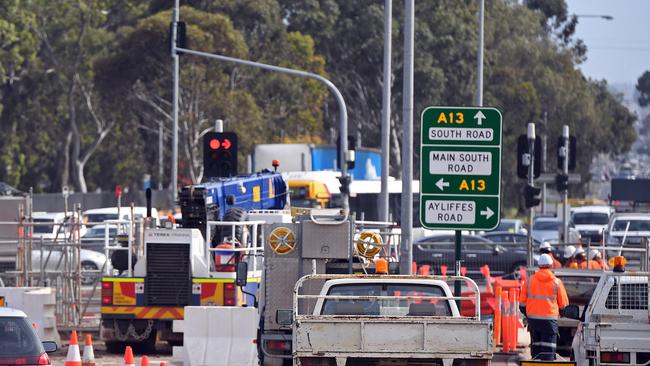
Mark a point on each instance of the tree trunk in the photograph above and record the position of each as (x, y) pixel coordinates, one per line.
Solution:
(65, 174)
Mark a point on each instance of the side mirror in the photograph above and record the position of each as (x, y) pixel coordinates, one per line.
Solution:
(284, 317)
(571, 312)
(50, 346)
(241, 270)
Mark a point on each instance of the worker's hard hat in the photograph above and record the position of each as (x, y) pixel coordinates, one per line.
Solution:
(579, 250)
(545, 260)
(569, 250)
(545, 245)
(594, 253)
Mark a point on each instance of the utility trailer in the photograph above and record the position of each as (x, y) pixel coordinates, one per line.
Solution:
(384, 319)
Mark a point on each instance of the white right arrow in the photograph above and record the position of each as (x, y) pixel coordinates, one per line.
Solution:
(487, 213)
(441, 184)
(479, 117)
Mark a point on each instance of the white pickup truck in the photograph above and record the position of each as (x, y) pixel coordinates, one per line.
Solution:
(615, 325)
(382, 319)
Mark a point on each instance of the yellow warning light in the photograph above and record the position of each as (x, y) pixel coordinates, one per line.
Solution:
(381, 266)
(618, 261)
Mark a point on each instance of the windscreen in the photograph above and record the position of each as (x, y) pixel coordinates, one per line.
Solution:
(506, 226)
(389, 307)
(17, 338)
(43, 229)
(546, 225)
(98, 232)
(590, 218)
(635, 225)
(97, 218)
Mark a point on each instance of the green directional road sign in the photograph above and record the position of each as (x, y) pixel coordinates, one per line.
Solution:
(460, 168)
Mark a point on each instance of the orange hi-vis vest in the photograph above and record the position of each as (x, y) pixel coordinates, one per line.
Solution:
(544, 295)
(592, 264)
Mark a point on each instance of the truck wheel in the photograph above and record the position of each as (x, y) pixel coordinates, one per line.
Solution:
(148, 346)
(115, 347)
(234, 214)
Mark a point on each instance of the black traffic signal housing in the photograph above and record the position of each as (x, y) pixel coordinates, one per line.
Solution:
(345, 184)
(181, 35)
(352, 145)
(522, 163)
(572, 152)
(562, 182)
(532, 196)
(219, 155)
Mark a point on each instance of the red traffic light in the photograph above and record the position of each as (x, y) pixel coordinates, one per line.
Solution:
(215, 144)
(226, 144)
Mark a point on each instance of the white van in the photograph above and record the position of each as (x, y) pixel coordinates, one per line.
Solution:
(591, 221)
(49, 225)
(99, 215)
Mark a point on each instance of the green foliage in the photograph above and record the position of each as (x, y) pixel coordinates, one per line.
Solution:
(643, 87)
(73, 71)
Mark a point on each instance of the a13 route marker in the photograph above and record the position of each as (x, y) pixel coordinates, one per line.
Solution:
(460, 168)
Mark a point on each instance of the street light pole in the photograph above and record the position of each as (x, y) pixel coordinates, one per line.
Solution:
(174, 180)
(385, 114)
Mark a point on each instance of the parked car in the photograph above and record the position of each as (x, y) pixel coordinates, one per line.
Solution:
(95, 239)
(628, 228)
(512, 226)
(53, 261)
(509, 237)
(98, 215)
(548, 229)
(591, 221)
(51, 225)
(19, 343)
(438, 250)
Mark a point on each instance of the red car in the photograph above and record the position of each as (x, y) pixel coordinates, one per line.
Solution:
(19, 343)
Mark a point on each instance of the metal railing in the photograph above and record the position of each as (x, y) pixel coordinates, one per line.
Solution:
(245, 237)
(297, 296)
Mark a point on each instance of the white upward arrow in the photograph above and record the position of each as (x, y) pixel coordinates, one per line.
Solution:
(479, 117)
(487, 213)
(442, 184)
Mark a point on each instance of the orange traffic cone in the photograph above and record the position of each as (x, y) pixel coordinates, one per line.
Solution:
(145, 361)
(88, 358)
(128, 357)
(73, 358)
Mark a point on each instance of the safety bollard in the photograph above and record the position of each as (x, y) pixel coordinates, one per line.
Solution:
(414, 268)
(513, 321)
(516, 307)
(505, 344)
(497, 316)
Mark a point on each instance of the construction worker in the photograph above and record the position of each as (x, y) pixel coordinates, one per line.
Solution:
(569, 257)
(598, 258)
(585, 263)
(541, 300)
(545, 248)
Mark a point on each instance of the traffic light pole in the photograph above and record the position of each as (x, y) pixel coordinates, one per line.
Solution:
(343, 113)
(531, 181)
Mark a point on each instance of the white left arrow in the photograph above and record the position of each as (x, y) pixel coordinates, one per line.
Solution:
(487, 213)
(441, 184)
(479, 117)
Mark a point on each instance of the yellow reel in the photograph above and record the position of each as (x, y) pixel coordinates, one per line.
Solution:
(282, 240)
(369, 244)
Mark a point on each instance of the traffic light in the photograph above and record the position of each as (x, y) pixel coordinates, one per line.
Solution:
(572, 152)
(532, 196)
(181, 35)
(219, 154)
(345, 184)
(523, 157)
(352, 145)
(562, 182)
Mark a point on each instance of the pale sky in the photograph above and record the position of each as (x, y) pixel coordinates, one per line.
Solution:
(618, 49)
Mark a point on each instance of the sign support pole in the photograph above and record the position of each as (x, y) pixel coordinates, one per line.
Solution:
(531, 181)
(565, 193)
